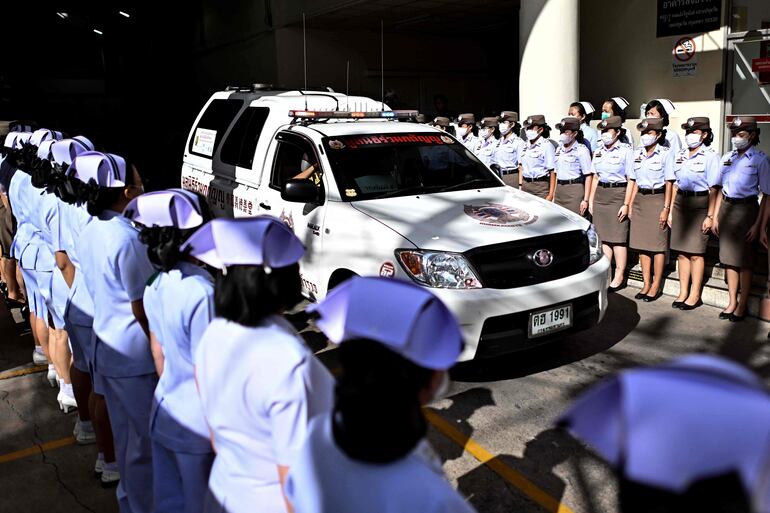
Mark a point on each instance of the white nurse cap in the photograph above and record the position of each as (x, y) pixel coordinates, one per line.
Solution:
(588, 107)
(105, 169)
(622, 102)
(174, 207)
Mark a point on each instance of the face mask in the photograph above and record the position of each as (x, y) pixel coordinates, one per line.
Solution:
(485, 133)
(461, 132)
(608, 138)
(692, 140)
(505, 128)
(739, 143)
(605, 115)
(532, 135)
(443, 388)
(648, 139)
(565, 139)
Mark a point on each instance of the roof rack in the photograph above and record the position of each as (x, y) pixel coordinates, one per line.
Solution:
(251, 88)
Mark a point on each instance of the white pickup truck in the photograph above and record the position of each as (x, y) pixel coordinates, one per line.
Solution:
(370, 195)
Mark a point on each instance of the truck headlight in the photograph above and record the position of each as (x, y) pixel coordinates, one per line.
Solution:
(438, 269)
(594, 246)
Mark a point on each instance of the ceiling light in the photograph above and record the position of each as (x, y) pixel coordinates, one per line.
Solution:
(124, 14)
(62, 15)
(97, 31)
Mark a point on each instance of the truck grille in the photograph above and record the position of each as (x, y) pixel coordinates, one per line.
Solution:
(511, 264)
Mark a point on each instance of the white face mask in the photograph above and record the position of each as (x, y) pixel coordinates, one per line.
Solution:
(505, 128)
(462, 131)
(532, 134)
(740, 143)
(566, 139)
(485, 133)
(648, 139)
(608, 138)
(692, 140)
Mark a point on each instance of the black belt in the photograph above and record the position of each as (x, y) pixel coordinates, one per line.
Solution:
(539, 179)
(646, 192)
(509, 171)
(693, 193)
(610, 185)
(571, 182)
(738, 201)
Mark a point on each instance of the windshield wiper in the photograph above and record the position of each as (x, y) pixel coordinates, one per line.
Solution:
(475, 181)
(406, 192)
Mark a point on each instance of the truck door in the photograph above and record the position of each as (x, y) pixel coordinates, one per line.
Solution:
(291, 155)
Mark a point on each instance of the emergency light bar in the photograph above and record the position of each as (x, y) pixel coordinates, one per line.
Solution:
(340, 114)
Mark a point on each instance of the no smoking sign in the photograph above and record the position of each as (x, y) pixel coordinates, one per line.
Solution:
(685, 62)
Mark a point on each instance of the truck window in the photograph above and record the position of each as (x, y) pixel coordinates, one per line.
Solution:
(241, 143)
(211, 128)
(294, 158)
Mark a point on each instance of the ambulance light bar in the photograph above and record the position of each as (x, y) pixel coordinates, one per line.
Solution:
(339, 114)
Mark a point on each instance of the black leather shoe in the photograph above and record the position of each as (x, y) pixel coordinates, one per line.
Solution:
(677, 304)
(687, 307)
(650, 299)
(615, 289)
(725, 316)
(640, 296)
(737, 318)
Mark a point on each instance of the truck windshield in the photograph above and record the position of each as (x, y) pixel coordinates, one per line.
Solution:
(376, 166)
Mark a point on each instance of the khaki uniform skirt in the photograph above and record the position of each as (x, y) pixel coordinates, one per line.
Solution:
(646, 234)
(607, 202)
(735, 219)
(687, 217)
(6, 229)
(570, 196)
(539, 189)
(512, 179)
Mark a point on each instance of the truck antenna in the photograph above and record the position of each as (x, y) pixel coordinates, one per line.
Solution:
(382, 63)
(304, 54)
(347, 87)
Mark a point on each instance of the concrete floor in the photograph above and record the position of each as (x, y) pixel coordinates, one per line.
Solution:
(506, 406)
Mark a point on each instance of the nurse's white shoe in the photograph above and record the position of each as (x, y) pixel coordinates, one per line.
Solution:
(39, 358)
(99, 465)
(110, 476)
(84, 435)
(53, 379)
(66, 402)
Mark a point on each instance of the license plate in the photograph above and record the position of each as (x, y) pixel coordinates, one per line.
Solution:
(548, 321)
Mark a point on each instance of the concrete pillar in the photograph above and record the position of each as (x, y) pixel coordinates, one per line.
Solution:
(549, 76)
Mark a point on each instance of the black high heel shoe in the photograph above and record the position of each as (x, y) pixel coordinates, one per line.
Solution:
(687, 307)
(622, 285)
(737, 318)
(725, 316)
(677, 304)
(650, 299)
(640, 295)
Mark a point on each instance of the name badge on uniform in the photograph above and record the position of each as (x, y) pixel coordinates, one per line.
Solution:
(727, 163)
(679, 160)
(638, 160)
(597, 154)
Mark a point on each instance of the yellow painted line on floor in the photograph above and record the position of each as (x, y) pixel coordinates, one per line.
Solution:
(37, 449)
(23, 372)
(527, 487)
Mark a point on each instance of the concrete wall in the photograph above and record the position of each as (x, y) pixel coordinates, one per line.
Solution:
(620, 56)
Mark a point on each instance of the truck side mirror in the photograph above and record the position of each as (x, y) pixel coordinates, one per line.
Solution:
(300, 191)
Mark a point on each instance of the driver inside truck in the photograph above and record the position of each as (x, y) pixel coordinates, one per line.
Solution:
(309, 171)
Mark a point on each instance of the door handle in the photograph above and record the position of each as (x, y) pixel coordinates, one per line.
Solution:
(265, 206)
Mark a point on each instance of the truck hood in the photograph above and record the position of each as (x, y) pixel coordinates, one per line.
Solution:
(461, 220)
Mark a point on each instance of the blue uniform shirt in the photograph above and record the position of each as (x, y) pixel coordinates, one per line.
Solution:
(259, 387)
(613, 164)
(573, 162)
(316, 483)
(538, 158)
(179, 306)
(653, 171)
(696, 173)
(485, 151)
(591, 135)
(73, 219)
(470, 141)
(508, 153)
(673, 140)
(744, 176)
(116, 269)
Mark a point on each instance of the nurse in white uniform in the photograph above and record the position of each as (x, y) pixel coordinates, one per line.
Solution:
(259, 384)
(179, 301)
(365, 455)
(116, 268)
(663, 108)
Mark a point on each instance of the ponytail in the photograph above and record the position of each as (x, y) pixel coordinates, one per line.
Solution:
(163, 244)
(580, 137)
(378, 417)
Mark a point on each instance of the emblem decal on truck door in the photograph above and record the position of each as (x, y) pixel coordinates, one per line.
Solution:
(496, 214)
